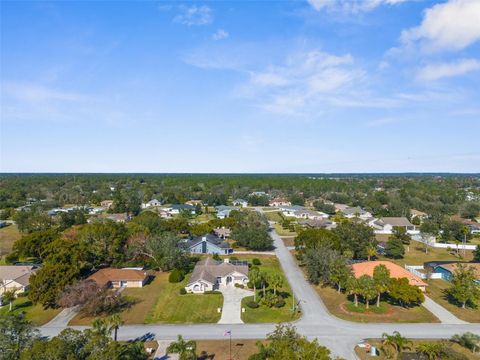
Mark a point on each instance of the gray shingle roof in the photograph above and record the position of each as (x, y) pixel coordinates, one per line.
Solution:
(209, 269)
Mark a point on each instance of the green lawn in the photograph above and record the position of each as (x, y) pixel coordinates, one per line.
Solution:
(339, 305)
(417, 256)
(161, 302)
(274, 216)
(436, 290)
(270, 265)
(282, 232)
(35, 313)
(203, 218)
(8, 235)
(173, 308)
(415, 342)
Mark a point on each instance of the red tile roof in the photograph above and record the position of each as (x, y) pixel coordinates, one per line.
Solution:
(396, 271)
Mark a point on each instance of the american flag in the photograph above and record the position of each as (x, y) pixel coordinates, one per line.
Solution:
(227, 333)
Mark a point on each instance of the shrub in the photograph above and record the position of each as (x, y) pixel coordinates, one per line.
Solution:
(210, 292)
(233, 258)
(183, 291)
(280, 303)
(216, 257)
(240, 286)
(256, 262)
(252, 304)
(176, 276)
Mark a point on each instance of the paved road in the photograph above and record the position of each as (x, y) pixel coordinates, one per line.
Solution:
(338, 335)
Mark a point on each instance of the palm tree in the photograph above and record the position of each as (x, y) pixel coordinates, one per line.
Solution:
(431, 350)
(100, 327)
(353, 288)
(394, 344)
(9, 296)
(276, 280)
(115, 321)
(254, 277)
(371, 251)
(186, 350)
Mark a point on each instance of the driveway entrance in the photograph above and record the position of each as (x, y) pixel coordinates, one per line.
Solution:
(232, 303)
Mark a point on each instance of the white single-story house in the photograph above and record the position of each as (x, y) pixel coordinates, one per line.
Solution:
(15, 277)
(301, 212)
(209, 274)
(357, 211)
(240, 202)
(224, 211)
(151, 203)
(386, 225)
(279, 202)
(177, 208)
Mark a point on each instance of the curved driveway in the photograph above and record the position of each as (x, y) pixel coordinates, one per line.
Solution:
(338, 335)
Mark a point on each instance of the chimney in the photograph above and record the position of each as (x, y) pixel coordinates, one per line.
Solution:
(204, 238)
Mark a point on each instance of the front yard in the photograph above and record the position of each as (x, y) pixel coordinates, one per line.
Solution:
(34, 313)
(220, 349)
(362, 355)
(161, 302)
(8, 235)
(436, 290)
(263, 314)
(339, 305)
(172, 308)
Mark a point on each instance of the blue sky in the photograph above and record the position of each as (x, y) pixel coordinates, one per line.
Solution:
(287, 86)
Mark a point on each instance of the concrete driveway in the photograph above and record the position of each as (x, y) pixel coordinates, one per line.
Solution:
(232, 304)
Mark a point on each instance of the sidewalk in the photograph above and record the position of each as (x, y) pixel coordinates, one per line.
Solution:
(445, 316)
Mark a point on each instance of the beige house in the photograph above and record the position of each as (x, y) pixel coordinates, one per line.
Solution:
(13, 277)
(210, 274)
(106, 204)
(119, 278)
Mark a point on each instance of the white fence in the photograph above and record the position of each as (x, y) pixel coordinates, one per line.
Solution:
(414, 269)
(433, 243)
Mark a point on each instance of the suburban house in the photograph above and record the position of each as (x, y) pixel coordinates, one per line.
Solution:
(210, 274)
(447, 270)
(240, 202)
(357, 211)
(279, 202)
(194, 202)
(177, 208)
(258, 193)
(15, 277)
(120, 278)
(223, 211)
(396, 271)
(318, 224)
(207, 244)
(151, 203)
(106, 204)
(340, 207)
(222, 232)
(387, 224)
(300, 212)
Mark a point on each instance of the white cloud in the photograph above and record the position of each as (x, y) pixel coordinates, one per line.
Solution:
(305, 81)
(194, 15)
(220, 34)
(441, 70)
(450, 26)
(351, 6)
